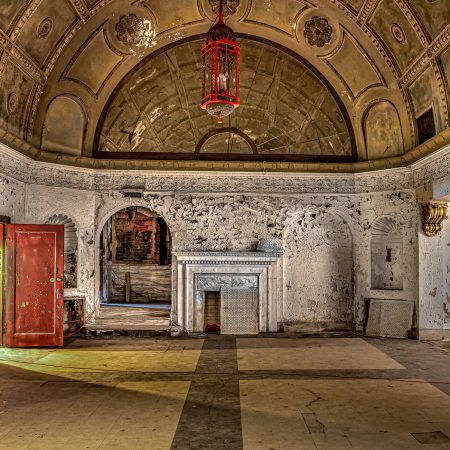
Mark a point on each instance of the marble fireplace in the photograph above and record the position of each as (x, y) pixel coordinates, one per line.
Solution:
(250, 283)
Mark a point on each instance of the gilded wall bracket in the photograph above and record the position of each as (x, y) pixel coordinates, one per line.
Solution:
(433, 214)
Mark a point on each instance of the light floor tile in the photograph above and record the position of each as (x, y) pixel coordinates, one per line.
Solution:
(284, 414)
(311, 354)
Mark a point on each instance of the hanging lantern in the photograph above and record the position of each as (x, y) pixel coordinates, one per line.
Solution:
(220, 78)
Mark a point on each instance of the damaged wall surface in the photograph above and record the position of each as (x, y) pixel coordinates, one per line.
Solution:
(325, 223)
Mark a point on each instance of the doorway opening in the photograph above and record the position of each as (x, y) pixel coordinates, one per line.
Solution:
(135, 258)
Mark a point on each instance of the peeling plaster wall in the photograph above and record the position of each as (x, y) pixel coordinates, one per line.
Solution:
(431, 292)
(446, 251)
(214, 212)
(318, 270)
(79, 205)
(12, 198)
(205, 222)
(434, 269)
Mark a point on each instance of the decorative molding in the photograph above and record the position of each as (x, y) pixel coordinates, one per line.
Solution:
(406, 10)
(229, 7)
(439, 44)
(227, 258)
(27, 11)
(433, 214)
(206, 282)
(366, 11)
(430, 161)
(24, 61)
(81, 9)
(33, 111)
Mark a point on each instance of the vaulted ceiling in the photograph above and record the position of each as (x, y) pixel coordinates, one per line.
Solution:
(321, 79)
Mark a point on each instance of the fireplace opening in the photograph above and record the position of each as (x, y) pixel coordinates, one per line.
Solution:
(212, 312)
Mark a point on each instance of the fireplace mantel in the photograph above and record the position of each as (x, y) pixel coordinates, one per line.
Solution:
(195, 273)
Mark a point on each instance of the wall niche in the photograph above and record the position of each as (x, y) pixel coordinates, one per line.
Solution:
(70, 248)
(386, 255)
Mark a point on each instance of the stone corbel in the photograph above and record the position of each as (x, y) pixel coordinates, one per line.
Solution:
(433, 214)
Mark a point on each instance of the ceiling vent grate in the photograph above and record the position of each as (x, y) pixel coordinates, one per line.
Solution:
(132, 192)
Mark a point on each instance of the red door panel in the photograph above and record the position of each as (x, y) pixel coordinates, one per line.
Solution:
(1, 280)
(34, 285)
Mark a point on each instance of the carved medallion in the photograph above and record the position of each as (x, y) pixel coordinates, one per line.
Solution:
(13, 103)
(44, 28)
(133, 30)
(398, 33)
(318, 31)
(229, 6)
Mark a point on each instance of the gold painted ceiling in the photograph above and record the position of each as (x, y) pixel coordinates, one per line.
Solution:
(117, 78)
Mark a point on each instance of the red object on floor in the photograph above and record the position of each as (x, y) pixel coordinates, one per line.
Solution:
(212, 328)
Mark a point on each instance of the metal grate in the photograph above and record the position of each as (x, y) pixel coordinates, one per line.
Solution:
(239, 311)
(389, 318)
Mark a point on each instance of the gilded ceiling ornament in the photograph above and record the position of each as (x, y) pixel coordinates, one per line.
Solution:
(44, 28)
(132, 30)
(398, 33)
(13, 103)
(433, 214)
(318, 31)
(229, 6)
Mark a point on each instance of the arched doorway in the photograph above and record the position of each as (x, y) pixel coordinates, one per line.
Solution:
(135, 258)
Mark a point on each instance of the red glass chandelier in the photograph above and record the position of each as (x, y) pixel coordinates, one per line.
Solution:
(220, 78)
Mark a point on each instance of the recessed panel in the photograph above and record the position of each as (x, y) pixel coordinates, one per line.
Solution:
(94, 63)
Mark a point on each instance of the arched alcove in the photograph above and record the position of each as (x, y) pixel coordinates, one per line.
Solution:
(318, 268)
(70, 248)
(382, 131)
(386, 251)
(64, 126)
(135, 257)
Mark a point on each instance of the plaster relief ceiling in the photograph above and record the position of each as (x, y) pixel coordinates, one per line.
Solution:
(323, 80)
(285, 108)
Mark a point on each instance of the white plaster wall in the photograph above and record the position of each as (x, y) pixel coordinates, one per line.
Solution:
(207, 222)
(318, 270)
(434, 273)
(218, 212)
(432, 292)
(12, 198)
(43, 202)
(401, 206)
(446, 251)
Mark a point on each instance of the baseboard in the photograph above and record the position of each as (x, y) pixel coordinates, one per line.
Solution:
(433, 335)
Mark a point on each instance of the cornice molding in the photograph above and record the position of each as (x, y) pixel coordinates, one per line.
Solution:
(30, 165)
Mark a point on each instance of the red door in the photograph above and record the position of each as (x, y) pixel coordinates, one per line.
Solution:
(1, 281)
(34, 285)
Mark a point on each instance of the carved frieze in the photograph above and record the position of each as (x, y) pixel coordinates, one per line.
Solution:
(216, 282)
(433, 214)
